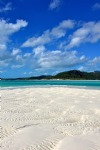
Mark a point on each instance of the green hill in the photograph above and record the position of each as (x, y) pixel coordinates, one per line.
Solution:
(76, 74)
(72, 74)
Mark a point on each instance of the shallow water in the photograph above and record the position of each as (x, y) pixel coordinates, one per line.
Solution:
(75, 83)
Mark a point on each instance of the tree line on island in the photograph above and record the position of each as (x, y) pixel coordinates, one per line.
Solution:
(71, 75)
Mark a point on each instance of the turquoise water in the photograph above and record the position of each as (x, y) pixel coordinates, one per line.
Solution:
(25, 83)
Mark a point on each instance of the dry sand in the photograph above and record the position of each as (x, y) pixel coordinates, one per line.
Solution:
(52, 118)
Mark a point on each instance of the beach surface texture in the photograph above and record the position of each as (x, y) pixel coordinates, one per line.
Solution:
(50, 118)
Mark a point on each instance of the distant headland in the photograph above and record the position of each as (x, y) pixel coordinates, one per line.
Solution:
(67, 75)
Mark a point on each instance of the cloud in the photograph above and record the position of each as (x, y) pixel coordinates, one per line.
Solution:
(17, 66)
(3, 64)
(91, 65)
(6, 8)
(94, 61)
(27, 55)
(96, 6)
(54, 4)
(1, 71)
(15, 52)
(13, 59)
(38, 50)
(2, 47)
(43, 58)
(56, 60)
(89, 32)
(28, 73)
(50, 35)
(6, 30)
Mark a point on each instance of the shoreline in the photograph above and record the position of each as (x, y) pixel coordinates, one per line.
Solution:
(50, 80)
(50, 86)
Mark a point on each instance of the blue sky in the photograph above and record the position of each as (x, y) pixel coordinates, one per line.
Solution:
(48, 36)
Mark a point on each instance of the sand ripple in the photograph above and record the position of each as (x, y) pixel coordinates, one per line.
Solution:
(50, 119)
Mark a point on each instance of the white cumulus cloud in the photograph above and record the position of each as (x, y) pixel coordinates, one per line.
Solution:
(89, 32)
(50, 35)
(15, 52)
(57, 59)
(6, 30)
(43, 58)
(38, 50)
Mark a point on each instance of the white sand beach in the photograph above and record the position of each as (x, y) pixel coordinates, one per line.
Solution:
(50, 118)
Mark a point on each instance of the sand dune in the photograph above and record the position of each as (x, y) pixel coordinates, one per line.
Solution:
(50, 118)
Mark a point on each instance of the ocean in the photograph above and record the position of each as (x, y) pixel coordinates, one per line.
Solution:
(95, 84)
